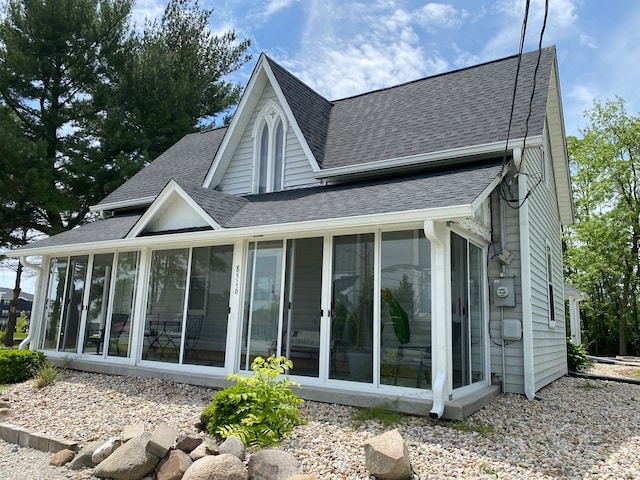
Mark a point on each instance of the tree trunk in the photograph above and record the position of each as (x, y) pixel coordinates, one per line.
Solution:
(13, 309)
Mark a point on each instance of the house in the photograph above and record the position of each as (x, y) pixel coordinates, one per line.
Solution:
(403, 244)
(25, 300)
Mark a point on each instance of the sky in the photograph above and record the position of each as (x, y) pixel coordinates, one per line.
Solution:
(346, 47)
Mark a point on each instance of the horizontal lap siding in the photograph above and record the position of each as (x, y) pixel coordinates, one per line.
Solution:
(238, 176)
(549, 354)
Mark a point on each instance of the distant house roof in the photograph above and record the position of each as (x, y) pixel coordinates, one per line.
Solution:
(7, 294)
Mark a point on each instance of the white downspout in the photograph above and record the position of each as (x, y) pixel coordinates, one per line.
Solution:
(440, 328)
(525, 269)
(32, 327)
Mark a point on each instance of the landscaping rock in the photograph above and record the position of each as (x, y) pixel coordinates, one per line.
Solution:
(162, 440)
(84, 457)
(234, 446)
(271, 464)
(207, 447)
(387, 456)
(187, 443)
(173, 466)
(131, 461)
(5, 413)
(218, 467)
(132, 431)
(303, 476)
(107, 448)
(62, 457)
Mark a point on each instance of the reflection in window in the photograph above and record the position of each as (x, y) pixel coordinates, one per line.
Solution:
(165, 305)
(405, 310)
(352, 308)
(54, 302)
(206, 327)
(124, 291)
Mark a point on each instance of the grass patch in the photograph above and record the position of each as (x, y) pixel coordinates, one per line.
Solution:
(487, 470)
(636, 373)
(45, 375)
(382, 413)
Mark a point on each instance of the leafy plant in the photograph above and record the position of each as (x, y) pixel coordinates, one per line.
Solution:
(576, 357)
(260, 409)
(399, 317)
(46, 374)
(382, 413)
(19, 365)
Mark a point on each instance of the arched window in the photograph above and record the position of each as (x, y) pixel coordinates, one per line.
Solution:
(268, 134)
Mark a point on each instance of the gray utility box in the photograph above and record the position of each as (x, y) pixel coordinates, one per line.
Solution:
(503, 292)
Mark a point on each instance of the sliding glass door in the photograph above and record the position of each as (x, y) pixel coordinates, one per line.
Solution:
(282, 310)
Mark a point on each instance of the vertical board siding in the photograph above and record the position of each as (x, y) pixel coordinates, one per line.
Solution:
(238, 176)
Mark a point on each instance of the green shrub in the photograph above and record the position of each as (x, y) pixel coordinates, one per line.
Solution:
(19, 365)
(260, 409)
(576, 357)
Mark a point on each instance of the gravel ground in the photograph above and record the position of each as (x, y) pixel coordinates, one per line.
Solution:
(578, 429)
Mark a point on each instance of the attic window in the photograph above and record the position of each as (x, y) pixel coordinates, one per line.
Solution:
(269, 132)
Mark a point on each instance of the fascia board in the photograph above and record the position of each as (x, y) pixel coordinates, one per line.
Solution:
(489, 188)
(292, 119)
(279, 230)
(123, 204)
(442, 157)
(238, 123)
(558, 140)
(171, 189)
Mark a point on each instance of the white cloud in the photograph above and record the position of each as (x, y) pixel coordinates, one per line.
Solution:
(274, 6)
(439, 15)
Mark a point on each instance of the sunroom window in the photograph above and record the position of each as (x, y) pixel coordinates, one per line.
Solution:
(269, 150)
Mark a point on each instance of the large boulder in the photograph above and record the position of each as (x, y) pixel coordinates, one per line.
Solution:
(217, 467)
(234, 446)
(132, 461)
(105, 450)
(173, 466)
(387, 456)
(271, 464)
(187, 443)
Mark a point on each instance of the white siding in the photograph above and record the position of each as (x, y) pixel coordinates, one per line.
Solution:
(549, 339)
(506, 226)
(238, 175)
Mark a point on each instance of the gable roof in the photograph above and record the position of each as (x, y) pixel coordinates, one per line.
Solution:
(439, 193)
(187, 161)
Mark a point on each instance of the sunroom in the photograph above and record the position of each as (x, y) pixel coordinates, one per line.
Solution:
(389, 305)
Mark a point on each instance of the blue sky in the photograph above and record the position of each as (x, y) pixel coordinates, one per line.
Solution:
(346, 47)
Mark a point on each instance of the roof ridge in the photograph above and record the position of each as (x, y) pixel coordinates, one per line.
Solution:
(417, 80)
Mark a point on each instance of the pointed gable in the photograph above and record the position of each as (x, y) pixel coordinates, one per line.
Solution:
(235, 167)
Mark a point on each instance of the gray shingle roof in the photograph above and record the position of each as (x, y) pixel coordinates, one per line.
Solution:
(436, 188)
(113, 228)
(431, 189)
(312, 110)
(457, 109)
(187, 161)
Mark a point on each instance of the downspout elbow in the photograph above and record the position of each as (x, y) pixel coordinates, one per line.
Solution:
(23, 260)
(437, 409)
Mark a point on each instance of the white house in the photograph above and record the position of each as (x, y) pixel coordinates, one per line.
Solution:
(403, 244)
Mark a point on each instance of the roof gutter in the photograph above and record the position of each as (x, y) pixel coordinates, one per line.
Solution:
(39, 270)
(439, 158)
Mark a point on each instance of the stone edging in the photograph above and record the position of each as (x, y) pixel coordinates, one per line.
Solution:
(30, 439)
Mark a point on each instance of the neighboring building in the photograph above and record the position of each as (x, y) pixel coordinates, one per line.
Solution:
(392, 244)
(25, 300)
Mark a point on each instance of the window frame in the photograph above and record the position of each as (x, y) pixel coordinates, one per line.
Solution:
(270, 177)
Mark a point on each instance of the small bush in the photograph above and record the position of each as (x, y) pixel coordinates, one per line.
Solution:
(19, 365)
(260, 409)
(46, 374)
(576, 357)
